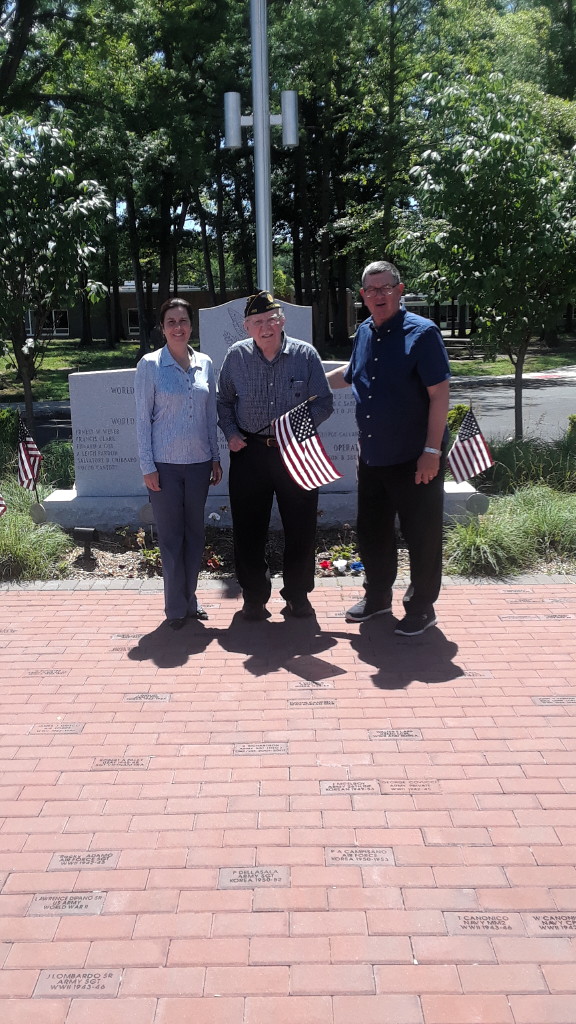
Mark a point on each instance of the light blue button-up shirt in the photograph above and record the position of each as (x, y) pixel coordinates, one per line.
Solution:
(175, 410)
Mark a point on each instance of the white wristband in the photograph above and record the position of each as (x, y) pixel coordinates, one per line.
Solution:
(433, 451)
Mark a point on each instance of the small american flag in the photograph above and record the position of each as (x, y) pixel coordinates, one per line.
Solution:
(29, 458)
(469, 454)
(302, 450)
(3, 506)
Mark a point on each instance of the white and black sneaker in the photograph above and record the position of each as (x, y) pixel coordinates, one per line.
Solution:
(413, 625)
(368, 607)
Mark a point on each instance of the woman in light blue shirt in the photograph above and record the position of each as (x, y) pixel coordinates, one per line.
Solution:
(177, 443)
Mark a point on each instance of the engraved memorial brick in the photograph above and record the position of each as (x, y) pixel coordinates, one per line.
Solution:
(466, 924)
(260, 748)
(555, 699)
(42, 728)
(349, 786)
(47, 672)
(77, 983)
(119, 763)
(359, 855)
(61, 904)
(254, 878)
(90, 859)
(308, 684)
(551, 924)
(409, 786)
(395, 734)
(149, 698)
(126, 636)
(311, 703)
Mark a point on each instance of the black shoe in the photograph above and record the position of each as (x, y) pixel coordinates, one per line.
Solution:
(300, 609)
(253, 611)
(368, 607)
(413, 625)
(177, 623)
(200, 613)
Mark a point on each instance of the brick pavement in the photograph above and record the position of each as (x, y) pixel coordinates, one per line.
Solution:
(288, 821)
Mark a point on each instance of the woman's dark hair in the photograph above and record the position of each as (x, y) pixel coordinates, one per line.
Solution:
(171, 303)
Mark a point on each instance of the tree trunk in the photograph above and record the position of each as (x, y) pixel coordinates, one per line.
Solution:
(220, 239)
(201, 213)
(86, 339)
(18, 337)
(138, 277)
(165, 241)
(246, 246)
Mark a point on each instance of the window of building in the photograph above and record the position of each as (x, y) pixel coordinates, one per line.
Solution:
(133, 322)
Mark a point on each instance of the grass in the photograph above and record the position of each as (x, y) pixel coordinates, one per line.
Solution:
(29, 552)
(535, 524)
(64, 356)
(535, 362)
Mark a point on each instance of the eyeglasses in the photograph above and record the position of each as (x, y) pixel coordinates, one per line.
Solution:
(384, 289)
(268, 322)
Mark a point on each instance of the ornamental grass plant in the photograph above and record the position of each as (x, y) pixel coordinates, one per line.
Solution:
(535, 526)
(29, 552)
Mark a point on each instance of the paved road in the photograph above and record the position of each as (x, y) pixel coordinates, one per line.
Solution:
(549, 398)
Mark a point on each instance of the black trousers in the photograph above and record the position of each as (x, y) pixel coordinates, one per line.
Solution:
(383, 493)
(257, 473)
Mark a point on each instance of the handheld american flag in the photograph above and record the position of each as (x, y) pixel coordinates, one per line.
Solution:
(29, 458)
(469, 455)
(302, 450)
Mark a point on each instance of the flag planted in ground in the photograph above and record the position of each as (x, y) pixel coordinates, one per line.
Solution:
(469, 454)
(29, 458)
(3, 506)
(302, 450)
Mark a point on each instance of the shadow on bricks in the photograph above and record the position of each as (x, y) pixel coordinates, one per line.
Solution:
(168, 649)
(400, 661)
(293, 645)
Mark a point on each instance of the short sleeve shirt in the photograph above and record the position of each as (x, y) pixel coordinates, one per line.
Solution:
(390, 369)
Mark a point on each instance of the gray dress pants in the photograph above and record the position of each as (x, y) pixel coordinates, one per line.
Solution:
(179, 517)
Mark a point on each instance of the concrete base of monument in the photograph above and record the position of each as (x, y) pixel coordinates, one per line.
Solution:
(106, 513)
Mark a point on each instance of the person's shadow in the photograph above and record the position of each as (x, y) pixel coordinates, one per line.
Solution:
(168, 648)
(399, 660)
(292, 645)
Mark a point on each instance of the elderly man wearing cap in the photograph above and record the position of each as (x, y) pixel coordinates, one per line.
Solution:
(262, 378)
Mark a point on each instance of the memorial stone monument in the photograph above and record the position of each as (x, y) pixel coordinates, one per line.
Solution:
(109, 491)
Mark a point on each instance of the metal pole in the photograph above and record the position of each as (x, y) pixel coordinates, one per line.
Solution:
(261, 114)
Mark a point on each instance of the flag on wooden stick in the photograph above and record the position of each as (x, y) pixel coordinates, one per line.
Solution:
(302, 450)
(29, 458)
(469, 454)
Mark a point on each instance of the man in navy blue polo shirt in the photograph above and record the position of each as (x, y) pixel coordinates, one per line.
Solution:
(399, 373)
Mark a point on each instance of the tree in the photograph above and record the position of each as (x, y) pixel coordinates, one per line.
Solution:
(49, 222)
(495, 215)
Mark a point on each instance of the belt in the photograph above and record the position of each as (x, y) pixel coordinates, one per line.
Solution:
(268, 439)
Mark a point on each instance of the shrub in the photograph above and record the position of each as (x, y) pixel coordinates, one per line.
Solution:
(516, 530)
(532, 461)
(28, 552)
(455, 417)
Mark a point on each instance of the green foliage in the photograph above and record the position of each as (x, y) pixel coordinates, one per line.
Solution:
(518, 463)
(516, 530)
(8, 438)
(456, 416)
(58, 464)
(28, 552)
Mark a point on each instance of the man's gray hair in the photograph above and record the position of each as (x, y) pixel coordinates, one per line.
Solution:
(381, 267)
